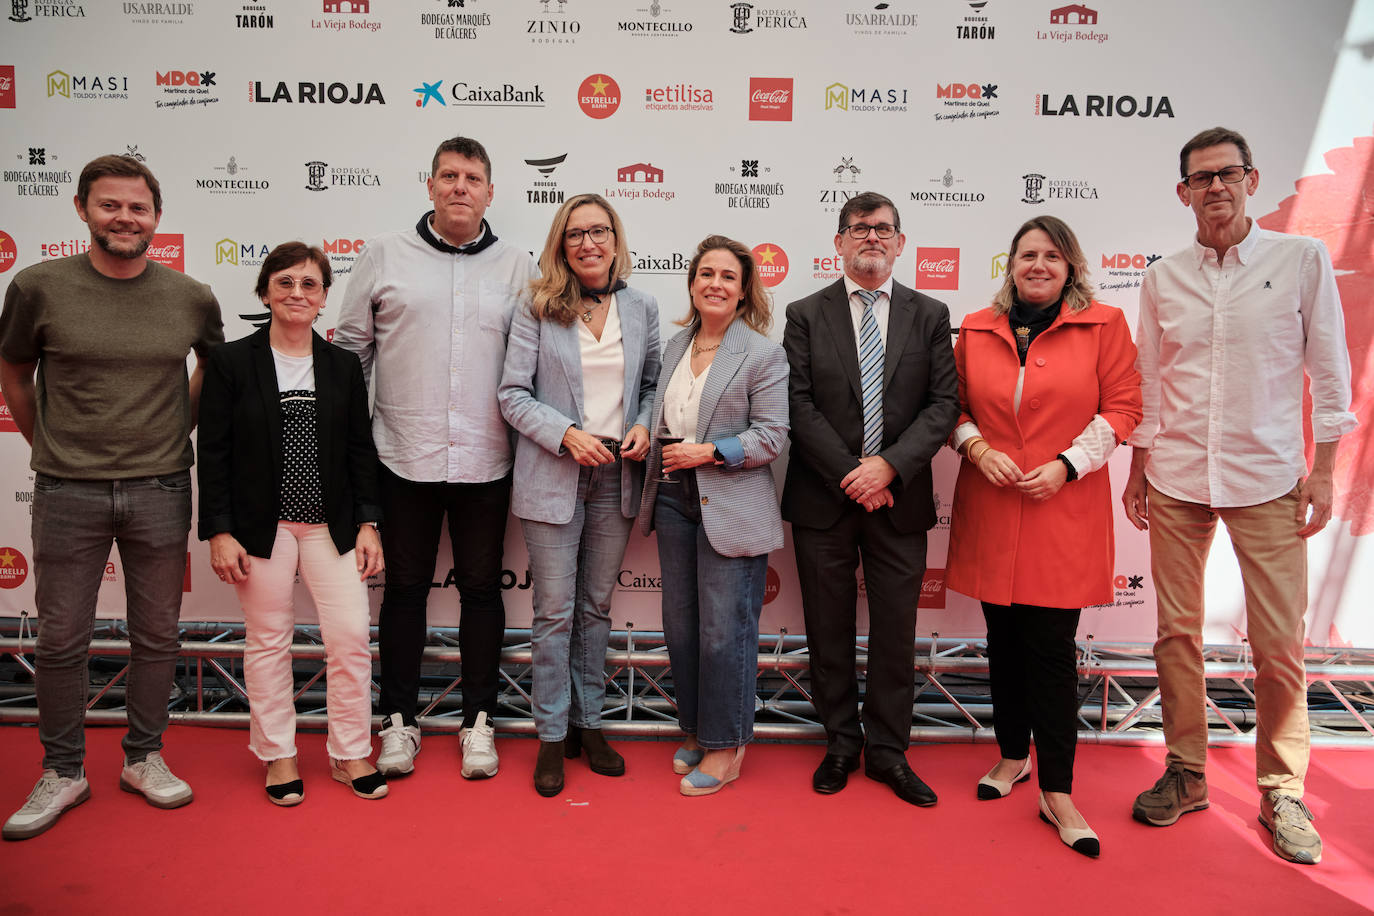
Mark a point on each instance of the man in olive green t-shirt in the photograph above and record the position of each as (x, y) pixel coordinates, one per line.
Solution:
(93, 367)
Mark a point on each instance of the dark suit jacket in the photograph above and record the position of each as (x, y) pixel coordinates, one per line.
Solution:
(239, 444)
(920, 404)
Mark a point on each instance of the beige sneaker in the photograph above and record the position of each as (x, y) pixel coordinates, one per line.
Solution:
(1288, 819)
(1176, 793)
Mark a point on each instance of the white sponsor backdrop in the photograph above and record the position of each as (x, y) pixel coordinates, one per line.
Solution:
(316, 120)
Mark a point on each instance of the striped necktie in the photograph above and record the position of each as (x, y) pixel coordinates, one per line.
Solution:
(871, 374)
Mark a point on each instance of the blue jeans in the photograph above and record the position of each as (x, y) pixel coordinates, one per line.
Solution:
(74, 524)
(711, 607)
(574, 569)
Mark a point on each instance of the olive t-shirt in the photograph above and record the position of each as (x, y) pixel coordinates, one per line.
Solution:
(113, 399)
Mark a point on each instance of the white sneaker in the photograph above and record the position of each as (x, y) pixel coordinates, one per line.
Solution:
(51, 796)
(400, 744)
(152, 779)
(479, 749)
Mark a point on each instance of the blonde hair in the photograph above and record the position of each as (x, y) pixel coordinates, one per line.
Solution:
(756, 307)
(556, 292)
(1078, 293)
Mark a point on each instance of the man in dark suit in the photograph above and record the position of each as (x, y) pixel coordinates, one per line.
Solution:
(873, 395)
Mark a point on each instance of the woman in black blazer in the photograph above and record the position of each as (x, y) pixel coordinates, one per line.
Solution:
(288, 479)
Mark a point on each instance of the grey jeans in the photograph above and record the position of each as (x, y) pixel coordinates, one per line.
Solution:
(74, 524)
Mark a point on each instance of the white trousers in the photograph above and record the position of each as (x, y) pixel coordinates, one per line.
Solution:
(269, 622)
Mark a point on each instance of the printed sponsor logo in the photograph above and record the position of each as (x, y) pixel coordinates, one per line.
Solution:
(26, 11)
(749, 17)
(640, 173)
(7, 425)
(1125, 270)
(653, 21)
(48, 251)
(89, 87)
(975, 25)
(840, 97)
(598, 96)
(880, 22)
(247, 254)
(937, 268)
(158, 13)
(1039, 189)
(342, 253)
(770, 98)
(772, 263)
(966, 101)
(321, 176)
(9, 251)
(38, 173)
(545, 189)
(844, 185)
(947, 190)
(827, 267)
(673, 263)
(456, 22)
(552, 25)
(772, 584)
(1103, 106)
(750, 186)
(169, 250)
(340, 16)
(932, 589)
(14, 568)
(233, 178)
(1066, 22)
(7, 94)
(254, 16)
(186, 88)
(678, 97)
(319, 93)
(999, 265)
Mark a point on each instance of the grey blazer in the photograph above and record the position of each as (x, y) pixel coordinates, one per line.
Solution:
(744, 411)
(541, 396)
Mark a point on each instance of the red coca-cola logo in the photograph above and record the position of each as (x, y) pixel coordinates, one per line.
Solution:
(937, 268)
(14, 569)
(169, 250)
(770, 98)
(7, 424)
(933, 589)
(7, 86)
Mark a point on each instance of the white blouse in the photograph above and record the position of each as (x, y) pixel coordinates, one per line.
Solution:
(682, 399)
(603, 377)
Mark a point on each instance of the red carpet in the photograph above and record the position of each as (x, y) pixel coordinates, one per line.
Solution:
(440, 844)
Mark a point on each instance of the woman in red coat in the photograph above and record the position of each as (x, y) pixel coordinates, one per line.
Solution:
(1048, 388)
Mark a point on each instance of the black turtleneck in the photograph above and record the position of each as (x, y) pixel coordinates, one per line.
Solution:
(1027, 321)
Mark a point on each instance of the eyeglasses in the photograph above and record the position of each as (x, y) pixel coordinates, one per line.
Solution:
(309, 285)
(861, 230)
(1201, 181)
(573, 237)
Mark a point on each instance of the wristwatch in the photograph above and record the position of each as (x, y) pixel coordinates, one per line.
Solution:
(715, 453)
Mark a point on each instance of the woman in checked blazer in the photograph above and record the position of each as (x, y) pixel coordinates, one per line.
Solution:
(723, 392)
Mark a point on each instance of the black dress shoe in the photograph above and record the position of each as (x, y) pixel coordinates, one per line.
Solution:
(833, 773)
(904, 782)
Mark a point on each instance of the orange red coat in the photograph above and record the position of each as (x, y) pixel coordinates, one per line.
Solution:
(1006, 548)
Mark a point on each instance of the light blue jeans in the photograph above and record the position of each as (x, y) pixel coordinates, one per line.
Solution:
(74, 524)
(711, 607)
(574, 569)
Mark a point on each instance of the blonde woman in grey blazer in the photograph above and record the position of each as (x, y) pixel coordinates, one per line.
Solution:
(723, 389)
(581, 362)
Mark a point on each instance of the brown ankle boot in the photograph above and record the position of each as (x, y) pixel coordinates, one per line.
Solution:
(601, 756)
(548, 769)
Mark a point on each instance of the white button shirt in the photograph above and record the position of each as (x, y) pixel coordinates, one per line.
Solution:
(1222, 351)
(430, 327)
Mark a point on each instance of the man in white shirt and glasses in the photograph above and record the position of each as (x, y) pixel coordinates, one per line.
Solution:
(1227, 329)
(428, 310)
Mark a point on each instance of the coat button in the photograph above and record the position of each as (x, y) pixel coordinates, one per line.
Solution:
(1035, 403)
(1040, 361)
(705, 500)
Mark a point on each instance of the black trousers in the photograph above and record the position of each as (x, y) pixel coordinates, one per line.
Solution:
(476, 514)
(894, 564)
(1033, 670)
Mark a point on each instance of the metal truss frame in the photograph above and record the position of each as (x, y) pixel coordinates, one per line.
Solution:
(1118, 693)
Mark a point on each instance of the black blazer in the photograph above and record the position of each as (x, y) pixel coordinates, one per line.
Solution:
(920, 404)
(239, 444)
